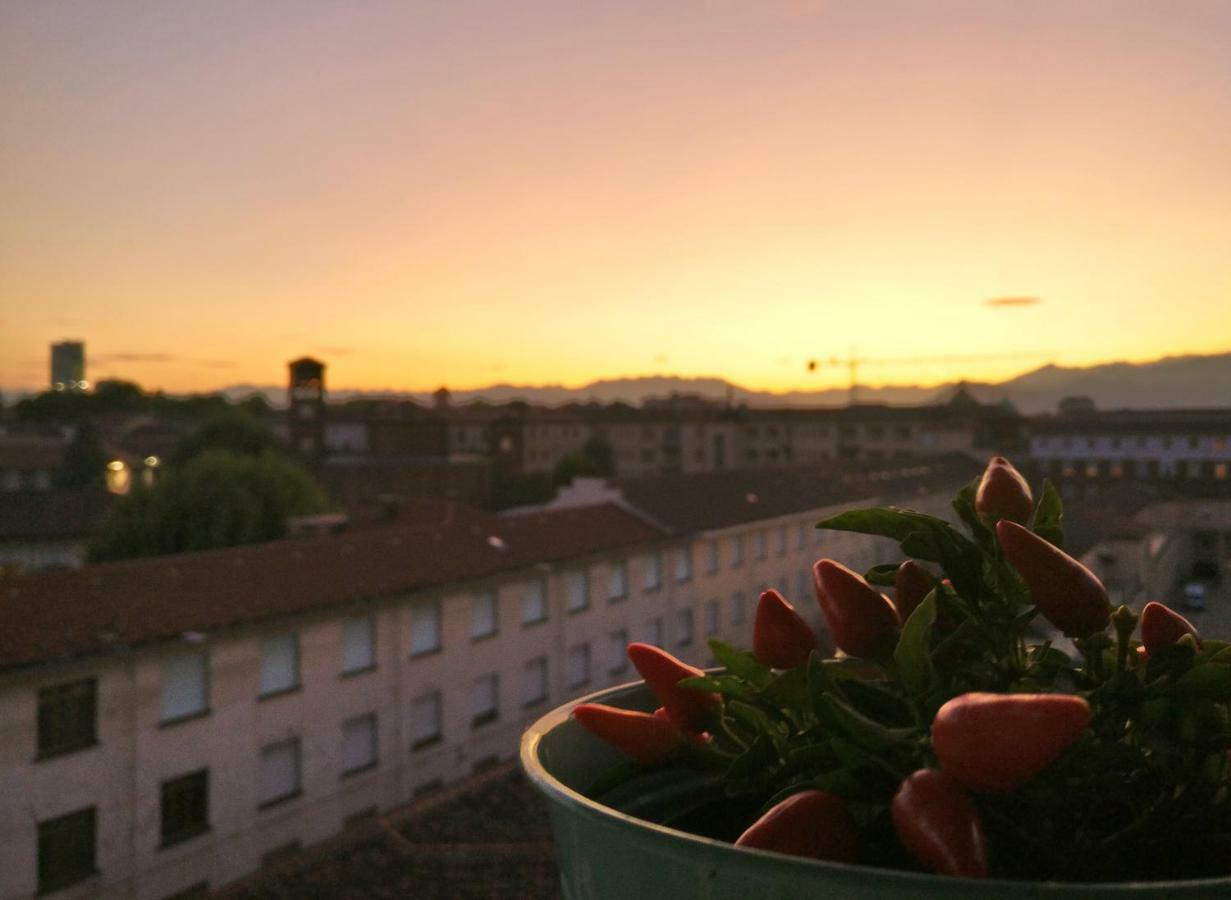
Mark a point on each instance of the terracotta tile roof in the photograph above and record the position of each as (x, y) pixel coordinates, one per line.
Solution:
(112, 605)
(710, 500)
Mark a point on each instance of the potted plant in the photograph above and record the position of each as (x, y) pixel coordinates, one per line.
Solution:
(995, 729)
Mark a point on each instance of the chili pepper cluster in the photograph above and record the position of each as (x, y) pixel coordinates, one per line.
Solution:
(995, 717)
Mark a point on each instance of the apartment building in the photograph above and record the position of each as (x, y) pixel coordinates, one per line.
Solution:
(170, 723)
(1090, 446)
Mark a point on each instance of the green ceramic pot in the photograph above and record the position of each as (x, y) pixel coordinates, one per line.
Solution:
(607, 855)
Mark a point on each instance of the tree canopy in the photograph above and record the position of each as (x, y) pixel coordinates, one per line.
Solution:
(217, 498)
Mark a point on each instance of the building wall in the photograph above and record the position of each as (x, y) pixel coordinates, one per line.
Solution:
(121, 776)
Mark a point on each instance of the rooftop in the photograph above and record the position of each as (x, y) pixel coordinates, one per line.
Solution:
(112, 606)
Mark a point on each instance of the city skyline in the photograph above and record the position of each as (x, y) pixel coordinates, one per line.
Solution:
(557, 194)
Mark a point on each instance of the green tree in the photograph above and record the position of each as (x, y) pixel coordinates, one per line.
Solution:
(594, 459)
(232, 430)
(216, 499)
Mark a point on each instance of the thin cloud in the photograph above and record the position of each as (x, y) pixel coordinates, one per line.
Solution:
(333, 351)
(111, 359)
(1003, 302)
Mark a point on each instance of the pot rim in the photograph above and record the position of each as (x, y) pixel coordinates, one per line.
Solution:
(580, 804)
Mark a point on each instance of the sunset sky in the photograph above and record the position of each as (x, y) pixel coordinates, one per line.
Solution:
(462, 193)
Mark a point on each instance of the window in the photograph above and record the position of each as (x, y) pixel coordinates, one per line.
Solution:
(279, 772)
(185, 807)
(425, 716)
(711, 618)
(801, 538)
(577, 591)
(534, 685)
(711, 557)
(67, 717)
(483, 615)
(425, 628)
(66, 850)
(617, 652)
(358, 645)
(737, 550)
(617, 581)
(683, 627)
(485, 700)
(578, 666)
(651, 572)
(739, 611)
(803, 585)
(279, 664)
(185, 687)
(534, 604)
(683, 564)
(358, 744)
(654, 632)
(758, 543)
(780, 540)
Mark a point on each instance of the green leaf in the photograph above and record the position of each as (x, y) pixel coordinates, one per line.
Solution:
(739, 663)
(885, 575)
(913, 653)
(788, 690)
(661, 794)
(1048, 519)
(863, 731)
(886, 521)
(1212, 682)
(729, 685)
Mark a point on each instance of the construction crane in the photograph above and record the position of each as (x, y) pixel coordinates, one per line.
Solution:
(852, 362)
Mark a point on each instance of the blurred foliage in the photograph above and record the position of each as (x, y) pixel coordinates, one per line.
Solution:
(217, 498)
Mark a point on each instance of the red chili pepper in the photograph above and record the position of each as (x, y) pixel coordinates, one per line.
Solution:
(994, 743)
(857, 614)
(1066, 592)
(811, 823)
(1161, 627)
(911, 587)
(780, 638)
(939, 826)
(663, 672)
(1003, 493)
(645, 737)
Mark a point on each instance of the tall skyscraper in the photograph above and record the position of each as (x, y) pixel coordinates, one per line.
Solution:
(68, 366)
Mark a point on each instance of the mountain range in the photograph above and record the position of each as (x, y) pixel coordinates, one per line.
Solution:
(1170, 382)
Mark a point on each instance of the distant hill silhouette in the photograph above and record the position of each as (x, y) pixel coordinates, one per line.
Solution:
(1170, 382)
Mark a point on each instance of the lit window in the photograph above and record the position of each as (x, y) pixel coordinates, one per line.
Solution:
(484, 700)
(425, 628)
(737, 550)
(279, 664)
(425, 720)
(279, 772)
(358, 645)
(578, 666)
(185, 687)
(534, 686)
(534, 604)
(617, 581)
(577, 591)
(359, 744)
(483, 615)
